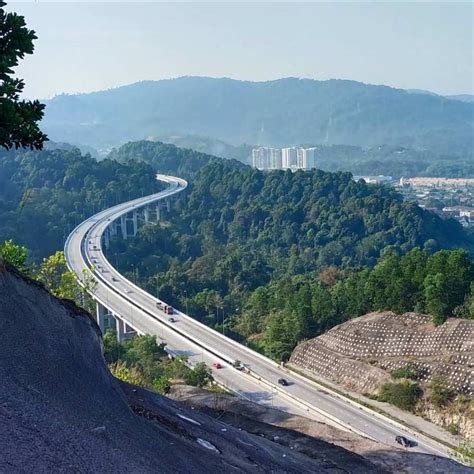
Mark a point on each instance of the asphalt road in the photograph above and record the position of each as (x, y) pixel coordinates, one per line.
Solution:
(139, 310)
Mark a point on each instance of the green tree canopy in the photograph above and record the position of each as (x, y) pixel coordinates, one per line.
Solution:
(14, 254)
(18, 118)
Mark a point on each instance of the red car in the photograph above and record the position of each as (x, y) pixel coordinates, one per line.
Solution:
(216, 365)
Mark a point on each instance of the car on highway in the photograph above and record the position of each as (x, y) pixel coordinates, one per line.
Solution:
(217, 365)
(171, 320)
(283, 382)
(114, 279)
(405, 442)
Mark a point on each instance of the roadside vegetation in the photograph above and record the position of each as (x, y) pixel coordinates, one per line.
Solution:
(142, 361)
(408, 391)
(52, 272)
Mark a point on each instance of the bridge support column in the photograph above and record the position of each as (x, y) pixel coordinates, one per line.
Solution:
(135, 223)
(129, 332)
(158, 212)
(123, 226)
(120, 329)
(168, 205)
(106, 238)
(101, 311)
(113, 228)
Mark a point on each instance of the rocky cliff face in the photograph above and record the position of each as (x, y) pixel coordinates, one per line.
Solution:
(61, 410)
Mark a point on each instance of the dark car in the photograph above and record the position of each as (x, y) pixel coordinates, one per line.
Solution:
(405, 442)
(283, 382)
(171, 320)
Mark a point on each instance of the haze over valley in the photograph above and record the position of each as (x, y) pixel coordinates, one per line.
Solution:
(284, 112)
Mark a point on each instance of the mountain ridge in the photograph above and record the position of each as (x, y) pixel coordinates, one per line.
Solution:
(280, 112)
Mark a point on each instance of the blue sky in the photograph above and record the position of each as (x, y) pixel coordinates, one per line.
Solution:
(92, 46)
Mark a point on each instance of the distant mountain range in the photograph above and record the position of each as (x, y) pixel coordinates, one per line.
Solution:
(460, 97)
(276, 113)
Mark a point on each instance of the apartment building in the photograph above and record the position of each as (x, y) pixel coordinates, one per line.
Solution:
(292, 158)
(266, 158)
(289, 158)
(306, 158)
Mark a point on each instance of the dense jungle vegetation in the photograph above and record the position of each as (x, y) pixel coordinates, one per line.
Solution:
(255, 249)
(269, 258)
(45, 194)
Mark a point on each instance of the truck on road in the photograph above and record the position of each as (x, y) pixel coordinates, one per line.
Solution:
(166, 308)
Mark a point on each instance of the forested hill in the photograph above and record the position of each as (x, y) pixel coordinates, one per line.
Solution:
(280, 113)
(269, 247)
(243, 225)
(317, 218)
(166, 158)
(44, 195)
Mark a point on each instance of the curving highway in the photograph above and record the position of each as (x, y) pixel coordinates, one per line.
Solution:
(139, 311)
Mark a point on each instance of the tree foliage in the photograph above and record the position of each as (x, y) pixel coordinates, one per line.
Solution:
(166, 158)
(52, 272)
(18, 118)
(288, 310)
(45, 194)
(57, 278)
(16, 255)
(142, 361)
(285, 256)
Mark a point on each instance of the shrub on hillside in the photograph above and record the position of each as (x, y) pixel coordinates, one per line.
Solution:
(440, 394)
(408, 371)
(404, 394)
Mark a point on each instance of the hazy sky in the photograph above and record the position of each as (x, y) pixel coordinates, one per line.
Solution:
(92, 46)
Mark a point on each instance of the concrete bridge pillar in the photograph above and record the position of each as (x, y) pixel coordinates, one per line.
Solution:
(135, 222)
(106, 238)
(146, 213)
(101, 311)
(168, 205)
(123, 226)
(120, 329)
(113, 228)
(129, 332)
(158, 212)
